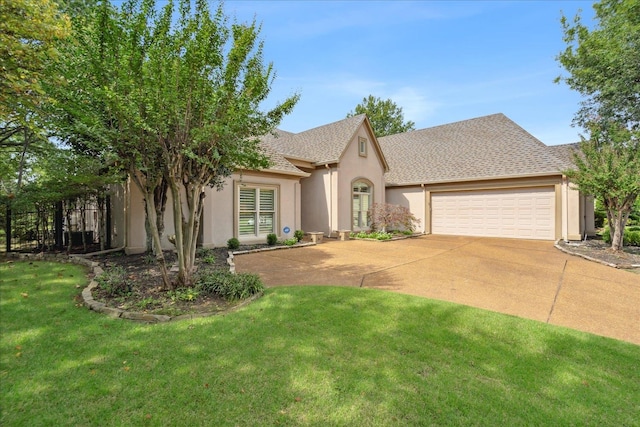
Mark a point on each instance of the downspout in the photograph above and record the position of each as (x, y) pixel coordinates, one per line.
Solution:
(426, 206)
(565, 206)
(331, 228)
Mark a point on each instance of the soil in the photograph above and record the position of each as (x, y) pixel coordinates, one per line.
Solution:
(597, 249)
(147, 292)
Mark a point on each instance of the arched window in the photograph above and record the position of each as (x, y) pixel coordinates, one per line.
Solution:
(362, 199)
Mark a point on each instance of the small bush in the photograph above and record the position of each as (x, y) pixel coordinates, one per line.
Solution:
(272, 239)
(299, 235)
(631, 236)
(150, 259)
(378, 235)
(231, 287)
(233, 243)
(386, 216)
(114, 282)
(290, 242)
(207, 256)
(184, 294)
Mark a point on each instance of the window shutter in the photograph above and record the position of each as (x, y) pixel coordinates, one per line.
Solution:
(247, 199)
(267, 201)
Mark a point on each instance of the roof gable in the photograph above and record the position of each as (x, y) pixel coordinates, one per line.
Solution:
(323, 144)
(482, 148)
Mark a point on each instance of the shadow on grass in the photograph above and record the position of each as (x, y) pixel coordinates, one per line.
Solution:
(307, 356)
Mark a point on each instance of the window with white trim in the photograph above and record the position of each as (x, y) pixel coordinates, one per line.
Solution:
(362, 197)
(256, 211)
(362, 146)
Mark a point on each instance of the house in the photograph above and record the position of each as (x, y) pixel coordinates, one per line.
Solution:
(480, 177)
(486, 177)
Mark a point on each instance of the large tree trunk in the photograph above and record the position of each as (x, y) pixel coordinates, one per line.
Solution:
(187, 224)
(147, 188)
(160, 201)
(617, 222)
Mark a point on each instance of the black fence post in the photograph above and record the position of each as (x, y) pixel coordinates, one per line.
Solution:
(57, 225)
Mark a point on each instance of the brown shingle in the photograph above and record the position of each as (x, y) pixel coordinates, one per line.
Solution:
(482, 148)
(324, 144)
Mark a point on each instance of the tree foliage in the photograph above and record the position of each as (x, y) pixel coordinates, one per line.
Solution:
(174, 94)
(385, 116)
(29, 30)
(603, 65)
(608, 166)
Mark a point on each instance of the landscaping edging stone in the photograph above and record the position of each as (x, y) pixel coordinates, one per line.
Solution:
(232, 254)
(589, 258)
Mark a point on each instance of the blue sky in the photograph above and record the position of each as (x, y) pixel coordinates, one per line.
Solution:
(441, 61)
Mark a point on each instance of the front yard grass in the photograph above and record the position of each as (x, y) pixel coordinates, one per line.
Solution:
(300, 356)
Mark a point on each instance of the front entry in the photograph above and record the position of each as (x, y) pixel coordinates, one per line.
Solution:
(362, 199)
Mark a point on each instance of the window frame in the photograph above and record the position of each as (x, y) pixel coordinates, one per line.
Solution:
(362, 146)
(370, 193)
(258, 188)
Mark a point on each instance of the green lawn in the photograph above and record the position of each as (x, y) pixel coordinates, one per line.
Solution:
(300, 356)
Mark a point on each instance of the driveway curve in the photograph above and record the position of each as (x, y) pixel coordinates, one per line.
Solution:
(525, 278)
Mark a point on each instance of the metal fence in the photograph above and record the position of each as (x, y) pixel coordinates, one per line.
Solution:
(76, 226)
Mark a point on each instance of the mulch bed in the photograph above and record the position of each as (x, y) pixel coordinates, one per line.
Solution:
(148, 294)
(597, 249)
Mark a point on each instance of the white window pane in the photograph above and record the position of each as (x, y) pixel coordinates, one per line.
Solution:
(247, 199)
(247, 224)
(267, 200)
(266, 223)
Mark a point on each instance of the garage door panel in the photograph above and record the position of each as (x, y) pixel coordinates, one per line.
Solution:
(516, 213)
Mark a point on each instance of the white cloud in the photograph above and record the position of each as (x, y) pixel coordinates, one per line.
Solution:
(415, 106)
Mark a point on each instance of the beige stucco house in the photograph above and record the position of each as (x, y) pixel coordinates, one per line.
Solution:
(486, 177)
(480, 177)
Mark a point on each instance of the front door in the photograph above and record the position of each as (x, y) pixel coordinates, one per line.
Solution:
(362, 200)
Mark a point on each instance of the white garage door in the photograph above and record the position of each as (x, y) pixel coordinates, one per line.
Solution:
(518, 213)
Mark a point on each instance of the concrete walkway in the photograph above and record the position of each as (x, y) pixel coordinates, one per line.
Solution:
(525, 278)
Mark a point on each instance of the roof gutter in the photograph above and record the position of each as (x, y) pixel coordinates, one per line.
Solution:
(489, 178)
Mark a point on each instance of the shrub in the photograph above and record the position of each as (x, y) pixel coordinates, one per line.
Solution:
(378, 235)
(231, 287)
(298, 234)
(290, 242)
(631, 236)
(114, 282)
(387, 216)
(184, 294)
(206, 255)
(272, 239)
(233, 243)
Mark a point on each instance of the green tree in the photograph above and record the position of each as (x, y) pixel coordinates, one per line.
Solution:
(171, 97)
(385, 116)
(608, 166)
(29, 30)
(603, 66)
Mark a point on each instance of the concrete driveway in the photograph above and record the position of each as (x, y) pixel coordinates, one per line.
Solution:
(525, 278)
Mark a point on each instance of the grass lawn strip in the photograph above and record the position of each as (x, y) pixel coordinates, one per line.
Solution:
(300, 356)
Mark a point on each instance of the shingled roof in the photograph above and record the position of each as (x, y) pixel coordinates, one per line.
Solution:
(565, 151)
(483, 148)
(321, 145)
(279, 164)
